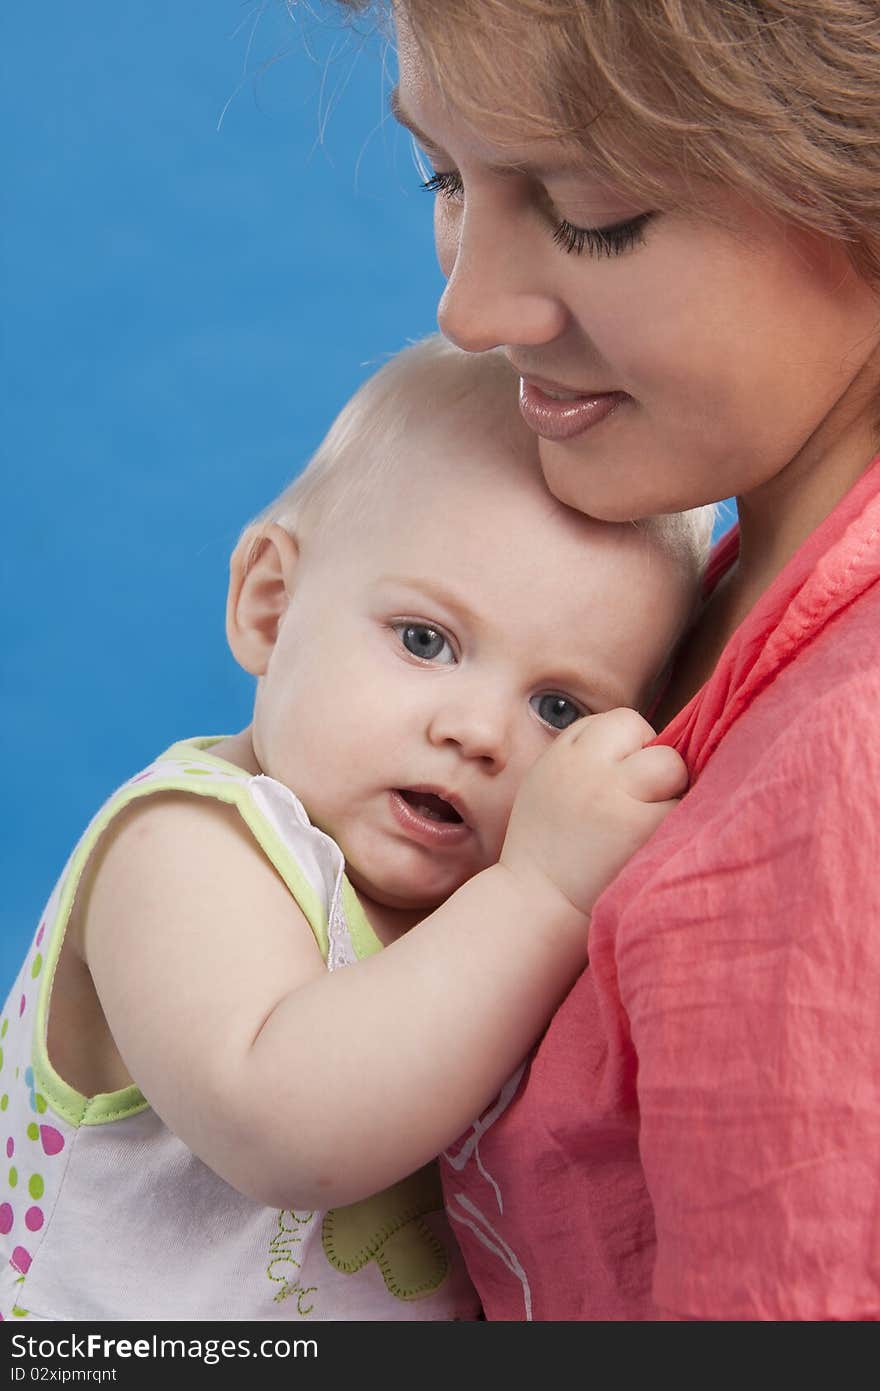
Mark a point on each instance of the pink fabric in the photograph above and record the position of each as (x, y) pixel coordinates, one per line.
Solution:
(698, 1135)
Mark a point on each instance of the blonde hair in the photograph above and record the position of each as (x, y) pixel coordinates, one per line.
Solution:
(376, 433)
(778, 99)
(426, 379)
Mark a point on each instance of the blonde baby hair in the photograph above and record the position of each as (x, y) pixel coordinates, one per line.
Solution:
(376, 433)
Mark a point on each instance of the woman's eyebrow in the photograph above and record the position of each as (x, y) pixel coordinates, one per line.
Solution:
(559, 163)
(396, 108)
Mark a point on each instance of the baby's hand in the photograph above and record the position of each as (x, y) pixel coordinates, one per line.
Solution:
(589, 803)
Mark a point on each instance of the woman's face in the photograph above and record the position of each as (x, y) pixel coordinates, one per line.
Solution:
(667, 359)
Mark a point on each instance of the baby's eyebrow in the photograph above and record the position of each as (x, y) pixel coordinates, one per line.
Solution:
(436, 592)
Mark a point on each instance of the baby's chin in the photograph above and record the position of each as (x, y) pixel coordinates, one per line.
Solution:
(403, 894)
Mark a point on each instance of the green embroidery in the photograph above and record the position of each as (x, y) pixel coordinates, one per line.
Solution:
(387, 1229)
(283, 1249)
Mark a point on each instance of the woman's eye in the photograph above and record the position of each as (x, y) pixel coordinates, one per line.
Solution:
(449, 184)
(602, 241)
(556, 710)
(425, 642)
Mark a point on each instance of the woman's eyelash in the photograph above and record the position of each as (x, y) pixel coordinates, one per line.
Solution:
(601, 241)
(449, 184)
(598, 241)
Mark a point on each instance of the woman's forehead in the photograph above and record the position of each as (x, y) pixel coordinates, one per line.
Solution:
(505, 99)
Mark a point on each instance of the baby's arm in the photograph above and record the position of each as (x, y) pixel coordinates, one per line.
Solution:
(309, 1089)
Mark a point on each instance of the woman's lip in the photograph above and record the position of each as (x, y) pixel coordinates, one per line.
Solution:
(566, 415)
(422, 829)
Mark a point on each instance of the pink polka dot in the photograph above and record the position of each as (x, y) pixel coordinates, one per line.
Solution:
(40, 933)
(21, 1006)
(7, 1217)
(21, 1260)
(33, 1219)
(10, 1147)
(52, 1139)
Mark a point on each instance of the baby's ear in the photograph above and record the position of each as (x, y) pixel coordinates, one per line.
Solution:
(262, 573)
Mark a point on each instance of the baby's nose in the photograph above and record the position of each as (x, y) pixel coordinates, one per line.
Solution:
(480, 730)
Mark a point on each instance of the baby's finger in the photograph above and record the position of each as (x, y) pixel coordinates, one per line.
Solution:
(617, 733)
(655, 774)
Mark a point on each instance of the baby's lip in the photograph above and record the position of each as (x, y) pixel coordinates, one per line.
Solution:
(436, 803)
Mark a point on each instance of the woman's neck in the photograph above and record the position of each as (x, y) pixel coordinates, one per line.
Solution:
(776, 518)
(774, 521)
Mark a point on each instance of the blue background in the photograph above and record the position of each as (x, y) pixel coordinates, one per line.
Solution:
(211, 233)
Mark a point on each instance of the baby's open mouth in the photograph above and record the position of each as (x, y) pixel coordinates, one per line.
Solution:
(428, 804)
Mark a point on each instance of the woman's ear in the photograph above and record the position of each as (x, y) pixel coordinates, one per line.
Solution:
(262, 573)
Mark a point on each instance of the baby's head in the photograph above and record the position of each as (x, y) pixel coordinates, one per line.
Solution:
(423, 618)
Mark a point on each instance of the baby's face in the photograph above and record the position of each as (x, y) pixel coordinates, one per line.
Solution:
(434, 648)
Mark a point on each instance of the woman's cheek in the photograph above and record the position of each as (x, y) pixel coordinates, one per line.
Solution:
(445, 236)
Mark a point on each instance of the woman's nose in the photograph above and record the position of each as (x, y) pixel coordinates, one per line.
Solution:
(494, 296)
(478, 729)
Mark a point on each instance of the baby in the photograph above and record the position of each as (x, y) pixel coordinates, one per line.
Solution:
(283, 969)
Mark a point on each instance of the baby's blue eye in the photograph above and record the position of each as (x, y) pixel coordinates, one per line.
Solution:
(556, 710)
(425, 642)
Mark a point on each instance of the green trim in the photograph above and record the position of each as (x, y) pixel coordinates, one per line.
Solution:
(65, 1100)
(364, 939)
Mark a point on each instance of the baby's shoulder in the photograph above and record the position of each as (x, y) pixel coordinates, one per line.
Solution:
(192, 818)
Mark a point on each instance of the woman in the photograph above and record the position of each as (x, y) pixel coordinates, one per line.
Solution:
(668, 216)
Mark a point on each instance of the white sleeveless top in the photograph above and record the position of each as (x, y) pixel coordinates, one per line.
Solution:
(105, 1214)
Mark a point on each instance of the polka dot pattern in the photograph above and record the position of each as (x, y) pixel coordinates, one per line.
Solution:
(52, 1140)
(27, 1194)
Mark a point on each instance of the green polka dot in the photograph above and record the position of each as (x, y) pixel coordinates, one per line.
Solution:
(35, 1186)
(19, 1313)
(40, 1103)
(37, 966)
(4, 1101)
(33, 1131)
(13, 1176)
(3, 1027)
(199, 772)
